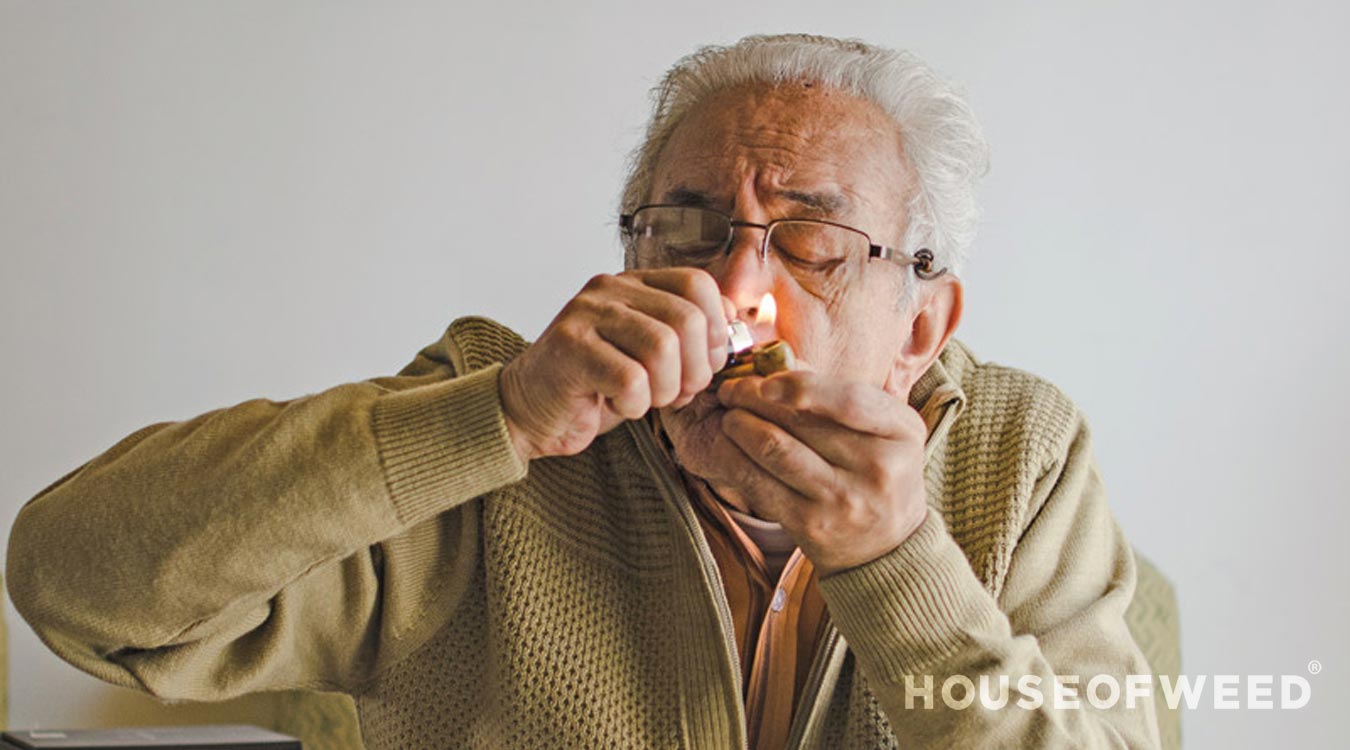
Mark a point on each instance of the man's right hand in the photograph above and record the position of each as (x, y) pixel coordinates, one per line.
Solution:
(624, 344)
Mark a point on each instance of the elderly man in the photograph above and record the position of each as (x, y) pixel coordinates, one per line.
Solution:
(594, 541)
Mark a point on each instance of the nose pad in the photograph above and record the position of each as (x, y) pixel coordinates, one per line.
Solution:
(742, 273)
(747, 238)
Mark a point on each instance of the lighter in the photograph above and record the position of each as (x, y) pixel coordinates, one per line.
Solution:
(744, 357)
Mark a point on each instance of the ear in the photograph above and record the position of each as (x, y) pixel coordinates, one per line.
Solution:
(937, 314)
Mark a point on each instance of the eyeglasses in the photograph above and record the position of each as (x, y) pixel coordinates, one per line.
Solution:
(817, 253)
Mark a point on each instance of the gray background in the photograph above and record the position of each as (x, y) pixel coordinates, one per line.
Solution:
(206, 202)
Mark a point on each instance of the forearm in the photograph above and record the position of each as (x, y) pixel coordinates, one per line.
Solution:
(182, 530)
(919, 616)
(920, 611)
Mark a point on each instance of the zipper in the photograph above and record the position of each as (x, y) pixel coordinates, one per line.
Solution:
(675, 490)
(829, 658)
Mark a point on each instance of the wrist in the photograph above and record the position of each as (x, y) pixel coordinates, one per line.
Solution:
(908, 530)
(524, 449)
(519, 440)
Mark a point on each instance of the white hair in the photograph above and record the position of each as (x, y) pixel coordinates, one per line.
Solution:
(942, 141)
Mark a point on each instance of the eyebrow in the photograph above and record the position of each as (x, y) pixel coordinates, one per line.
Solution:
(829, 204)
(683, 196)
(821, 202)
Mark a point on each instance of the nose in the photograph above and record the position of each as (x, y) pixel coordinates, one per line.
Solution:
(742, 275)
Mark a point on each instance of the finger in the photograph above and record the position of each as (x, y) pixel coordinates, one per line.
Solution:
(837, 444)
(698, 287)
(857, 406)
(728, 309)
(848, 449)
(616, 377)
(653, 345)
(771, 500)
(690, 325)
(780, 454)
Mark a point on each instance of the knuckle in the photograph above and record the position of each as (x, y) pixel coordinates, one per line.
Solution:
(774, 446)
(690, 320)
(683, 278)
(792, 395)
(877, 471)
(849, 500)
(856, 396)
(571, 332)
(589, 306)
(837, 493)
(854, 412)
(666, 342)
(875, 467)
(575, 307)
(694, 379)
(862, 516)
(698, 288)
(891, 473)
(818, 527)
(597, 282)
(624, 379)
(633, 379)
(702, 284)
(608, 307)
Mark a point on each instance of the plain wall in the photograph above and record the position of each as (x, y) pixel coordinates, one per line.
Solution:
(202, 203)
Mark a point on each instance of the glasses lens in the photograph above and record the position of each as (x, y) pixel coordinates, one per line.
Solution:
(822, 257)
(665, 236)
(817, 243)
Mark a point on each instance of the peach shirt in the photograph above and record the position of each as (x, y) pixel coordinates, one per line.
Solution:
(778, 623)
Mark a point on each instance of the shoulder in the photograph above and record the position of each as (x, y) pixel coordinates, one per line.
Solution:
(1014, 432)
(1013, 413)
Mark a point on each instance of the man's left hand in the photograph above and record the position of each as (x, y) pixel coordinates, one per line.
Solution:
(838, 464)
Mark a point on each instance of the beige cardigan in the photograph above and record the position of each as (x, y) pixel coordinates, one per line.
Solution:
(382, 538)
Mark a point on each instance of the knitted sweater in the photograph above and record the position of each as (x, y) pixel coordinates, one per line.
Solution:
(383, 539)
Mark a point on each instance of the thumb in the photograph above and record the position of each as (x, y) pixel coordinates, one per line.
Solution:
(729, 308)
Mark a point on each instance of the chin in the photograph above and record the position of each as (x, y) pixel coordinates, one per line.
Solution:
(696, 433)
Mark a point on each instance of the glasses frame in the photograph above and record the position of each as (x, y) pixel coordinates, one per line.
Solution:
(922, 259)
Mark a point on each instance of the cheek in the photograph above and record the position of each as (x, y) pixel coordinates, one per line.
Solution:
(854, 336)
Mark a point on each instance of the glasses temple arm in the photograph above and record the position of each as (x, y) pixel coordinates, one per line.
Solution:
(922, 260)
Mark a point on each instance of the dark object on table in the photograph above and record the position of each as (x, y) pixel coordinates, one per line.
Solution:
(228, 737)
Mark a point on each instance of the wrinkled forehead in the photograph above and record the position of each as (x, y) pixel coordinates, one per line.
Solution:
(790, 139)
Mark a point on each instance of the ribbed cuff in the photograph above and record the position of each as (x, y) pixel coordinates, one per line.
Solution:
(912, 607)
(444, 443)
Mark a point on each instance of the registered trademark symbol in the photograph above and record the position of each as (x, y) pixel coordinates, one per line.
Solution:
(1314, 666)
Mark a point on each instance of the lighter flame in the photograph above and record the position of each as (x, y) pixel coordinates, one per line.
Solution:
(768, 311)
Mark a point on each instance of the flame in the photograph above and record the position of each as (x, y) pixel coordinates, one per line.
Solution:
(767, 313)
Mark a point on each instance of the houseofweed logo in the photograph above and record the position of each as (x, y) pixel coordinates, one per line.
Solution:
(1222, 691)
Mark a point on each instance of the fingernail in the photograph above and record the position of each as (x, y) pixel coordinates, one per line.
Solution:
(717, 356)
(774, 390)
(724, 391)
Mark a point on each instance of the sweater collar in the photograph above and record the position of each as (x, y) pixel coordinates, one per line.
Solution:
(938, 398)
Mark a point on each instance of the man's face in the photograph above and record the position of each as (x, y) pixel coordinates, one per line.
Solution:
(758, 154)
